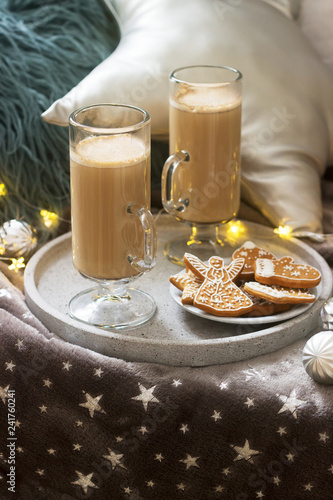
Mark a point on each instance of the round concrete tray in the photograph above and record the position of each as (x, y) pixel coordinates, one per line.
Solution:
(173, 336)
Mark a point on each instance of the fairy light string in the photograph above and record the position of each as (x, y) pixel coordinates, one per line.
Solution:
(17, 238)
(50, 221)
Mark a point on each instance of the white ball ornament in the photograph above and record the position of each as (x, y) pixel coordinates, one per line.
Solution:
(17, 238)
(318, 357)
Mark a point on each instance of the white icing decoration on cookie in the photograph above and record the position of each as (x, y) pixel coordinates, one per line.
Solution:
(264, 288)
(249, 245)
(277, 291)
(265, 267)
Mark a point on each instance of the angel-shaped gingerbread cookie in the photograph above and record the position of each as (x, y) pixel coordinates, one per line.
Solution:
(218, 294)
(189, 283)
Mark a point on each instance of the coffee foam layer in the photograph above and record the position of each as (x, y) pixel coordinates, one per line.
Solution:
(206, 100)
(115, 150)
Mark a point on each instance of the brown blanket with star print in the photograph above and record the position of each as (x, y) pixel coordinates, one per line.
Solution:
(75, 424)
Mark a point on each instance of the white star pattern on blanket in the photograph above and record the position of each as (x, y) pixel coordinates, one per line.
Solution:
(89, 426)
(117, 454)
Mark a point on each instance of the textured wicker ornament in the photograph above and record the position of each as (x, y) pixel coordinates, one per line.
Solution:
(318, 357)
(17, 238)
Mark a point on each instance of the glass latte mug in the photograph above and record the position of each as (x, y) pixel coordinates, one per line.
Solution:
(113, 231)
(201, 178)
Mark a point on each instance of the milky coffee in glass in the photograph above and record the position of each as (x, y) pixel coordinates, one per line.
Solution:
(107, 173)
(114, 238)
(205, 122)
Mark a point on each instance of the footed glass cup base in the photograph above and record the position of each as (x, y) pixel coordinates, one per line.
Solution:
(204, 242)
(112, 307)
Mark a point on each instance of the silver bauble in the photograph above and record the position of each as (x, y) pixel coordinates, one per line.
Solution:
(318, 357)
(326, 315)
(17, 238)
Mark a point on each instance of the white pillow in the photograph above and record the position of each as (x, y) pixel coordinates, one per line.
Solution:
(289, 8)
(287, 98)
(316, 21)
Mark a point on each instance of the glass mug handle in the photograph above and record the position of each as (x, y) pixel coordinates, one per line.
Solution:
(142, 265)
(169, 203)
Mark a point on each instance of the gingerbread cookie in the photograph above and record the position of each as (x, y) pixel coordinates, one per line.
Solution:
(250, 253)
(285, 272)
(279, 294)
(218, 294)
(188, 283)
(263, 307)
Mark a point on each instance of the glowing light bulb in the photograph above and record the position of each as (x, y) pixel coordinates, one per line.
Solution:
(3, 189)
(50, 219)
(235, 228)
(17, 264)
(284, 231)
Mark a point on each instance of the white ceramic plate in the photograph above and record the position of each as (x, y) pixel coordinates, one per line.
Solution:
(296, 310)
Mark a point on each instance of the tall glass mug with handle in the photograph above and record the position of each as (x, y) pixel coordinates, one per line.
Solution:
(113, 231)
(201, 178)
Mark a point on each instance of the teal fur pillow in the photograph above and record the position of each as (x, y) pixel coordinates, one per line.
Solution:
(46, 47)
